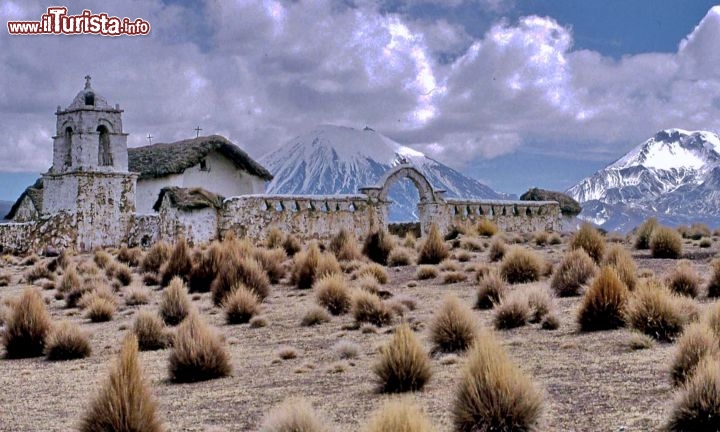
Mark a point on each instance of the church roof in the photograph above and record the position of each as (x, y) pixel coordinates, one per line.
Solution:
(188, 198)
(34, 192)
(159, 160)
(81, 99)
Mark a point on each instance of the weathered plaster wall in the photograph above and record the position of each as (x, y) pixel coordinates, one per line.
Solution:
(144, 230)
(58, 231)
(196, 226)
(510, 216)
(86, 139)
(148, 191)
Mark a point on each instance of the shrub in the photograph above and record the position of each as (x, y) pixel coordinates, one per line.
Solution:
(206, 265)
(377, 246)
(135, 296)
(403, 365)
(453, 327)
(433, 249)
(247, 271)
(665, 243)
(575, 269)
(100, 309)
(271, 261)
(493, 393)
(291, 245)
(294, 415)
(491, 290)
(540, 303)
(590, 240)
(178, 264)
(697, 406)
(620, 259)
(124, 403)
(400, 256)
(399, 416)
(521, 265)
(198, 354)
(150, 331)
(274, 238)
(375, 270)
(486, 228)
(332, 294)
(344, 246)
(654, 311)
(550, 322)
(240, 305)
(305, 267)
(155, 257)
(696, 342)
(314, 316)
(713, 286)
(424, 272)
(604, 303)
(102, 259)
(70, 280)
(175, 303)
(513, 312)
(368, 308)
(26, 326)
(644, 233)
(129, 256)
(452, 277)
(66, 342)
(497, 249)
(683, 280)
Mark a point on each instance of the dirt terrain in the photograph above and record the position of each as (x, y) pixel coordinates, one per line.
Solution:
(591, 381)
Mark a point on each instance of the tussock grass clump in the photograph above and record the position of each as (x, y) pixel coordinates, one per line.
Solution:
(305, 265)
(377, 246)
(291, 245)
(644, 233)
(521, 265)
(294, 415)
(198, 353)
(433, 249)
(315, 315)
(513, 312)
(100, 309)
(124, 402)
(347, 350)
(696, 342)
(175, 304)
(400, 256)
(403, 365)
(486, 228)
(246, 270)
(66, 342)
(327, 265)
(102, 259)
(497, 249)
(604, 303)
(451, 277)
(540, 302)
(424, 272)
(271, 261)
(240, 305)
(4, 279)
(683, 280)
(332, 293)
(274, 238)
(491, 290)
(574, 271)
(375, 270)
(135, 296)
(590, 240)
(368, 308)
(121, 272)
(39, 271)
(713, 286)
(178, 264)
(620, 259)
(665, 243)
(653, 310)
(697, 406)
(345, 246)
(399, 415)
(453, 328)
(155, 257)
(26, 326)
(150, 331)
(541, 238)
(129, 256)
(493, 393)
(206, 266)
(472, 244)
(70, 280)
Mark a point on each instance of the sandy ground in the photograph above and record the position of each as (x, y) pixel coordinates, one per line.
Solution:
(591, 382)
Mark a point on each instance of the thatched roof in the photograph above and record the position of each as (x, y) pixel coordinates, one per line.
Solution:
(188, 198)
(35, 193)
(568, 206)
(159, 160)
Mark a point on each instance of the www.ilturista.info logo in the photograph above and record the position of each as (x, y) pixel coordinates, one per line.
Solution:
(57, 21)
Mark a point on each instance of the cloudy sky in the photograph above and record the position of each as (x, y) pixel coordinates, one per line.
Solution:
(516, 93)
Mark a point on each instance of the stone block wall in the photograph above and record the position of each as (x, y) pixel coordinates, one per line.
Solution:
(510, 216)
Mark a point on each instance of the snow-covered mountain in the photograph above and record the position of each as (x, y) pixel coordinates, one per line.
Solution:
(332, 160)
(674, 176)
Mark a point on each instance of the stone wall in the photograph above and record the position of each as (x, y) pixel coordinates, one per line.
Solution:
(58, 231)
(510, 216)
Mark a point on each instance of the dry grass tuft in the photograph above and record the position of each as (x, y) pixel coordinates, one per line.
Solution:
(332, 293)
(433, 249)
(124, 403)
(135, 296)
(314, 316)
(70, 280)
(497, 250)
(424, 272)
(683, 280)
(604, 303)
(400, 256)
(375, 270)
(155, 257)
(696, 342)
(521, 265)
(665, 243)
(590, 240)
(713, 287)
(697, 406)
(39, 271)
(291, 245)
(620, 259)
(129, 256)
(206, 266)
(451, 277)
(26, 326)
(345, 246)
(453, 327)
(540, 302)
(271, 261)
(305, 265)
(491, 290)
(274, 238)
(403, 365)
(493, 393)
(100, 309)
(644, 233)
(240, 269)
(294, 415)
(102, 259)
(198, 353)
(486, 228)
(377, 246)
(150, 331)
(653, 310)
(175, 304)
(178, 264)
(513, 312)
(574, 271)
(67, 342)
(399, 415)
(368, 308)
(240, 305)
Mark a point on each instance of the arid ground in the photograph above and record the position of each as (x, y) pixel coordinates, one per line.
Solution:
(590, 381)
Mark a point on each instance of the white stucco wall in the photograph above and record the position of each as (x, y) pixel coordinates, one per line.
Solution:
(148, 191)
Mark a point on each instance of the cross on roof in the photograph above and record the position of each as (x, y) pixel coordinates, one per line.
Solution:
(197, 131)
(87, 81)
(149, 138)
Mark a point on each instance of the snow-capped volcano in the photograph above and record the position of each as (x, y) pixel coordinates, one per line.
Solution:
(673, 176)
(332, 160)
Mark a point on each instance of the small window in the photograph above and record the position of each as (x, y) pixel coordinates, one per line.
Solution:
(203, 165)
(90, 98)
